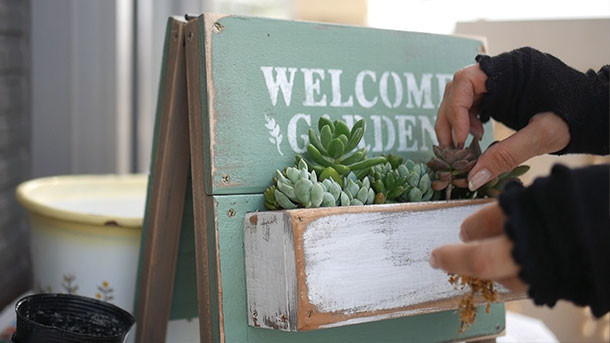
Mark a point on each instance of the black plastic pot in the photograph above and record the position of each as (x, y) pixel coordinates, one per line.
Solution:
(66, 318)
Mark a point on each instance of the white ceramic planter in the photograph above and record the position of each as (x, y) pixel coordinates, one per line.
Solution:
(85, 235)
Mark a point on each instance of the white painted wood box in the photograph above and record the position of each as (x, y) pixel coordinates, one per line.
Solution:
(315, 268)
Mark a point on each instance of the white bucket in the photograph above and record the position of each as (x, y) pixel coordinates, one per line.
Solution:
(85, 236)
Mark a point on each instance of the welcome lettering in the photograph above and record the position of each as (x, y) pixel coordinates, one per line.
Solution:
(393, 90)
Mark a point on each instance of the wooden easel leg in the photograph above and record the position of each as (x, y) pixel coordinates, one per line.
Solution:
(166, 198)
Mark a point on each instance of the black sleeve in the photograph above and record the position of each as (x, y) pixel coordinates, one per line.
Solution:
(524, 82)
(560, 227)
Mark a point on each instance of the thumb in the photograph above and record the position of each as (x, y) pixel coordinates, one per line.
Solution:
(545, 133)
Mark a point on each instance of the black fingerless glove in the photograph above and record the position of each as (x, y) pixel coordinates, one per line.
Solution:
(524, 82)
(560, 228)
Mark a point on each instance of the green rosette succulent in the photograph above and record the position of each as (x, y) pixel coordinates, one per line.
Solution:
(331, 154)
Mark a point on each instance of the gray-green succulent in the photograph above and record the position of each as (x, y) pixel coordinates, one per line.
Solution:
(401, 182)
(298, 187)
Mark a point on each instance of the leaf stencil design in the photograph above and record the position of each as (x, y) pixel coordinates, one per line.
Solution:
(274, 132)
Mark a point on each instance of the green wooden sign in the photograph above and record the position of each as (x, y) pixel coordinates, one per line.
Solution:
(270, 80)
(255, 86)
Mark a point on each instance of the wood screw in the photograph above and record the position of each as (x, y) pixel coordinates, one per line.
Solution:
(231, 213)
(218, 27)
(225, 178)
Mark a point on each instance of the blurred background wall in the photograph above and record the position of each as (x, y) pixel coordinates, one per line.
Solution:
(79, 79)
(15, 147)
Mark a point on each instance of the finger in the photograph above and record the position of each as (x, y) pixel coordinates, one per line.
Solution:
(468, 84)
(460, 102)
(489, 259)
(545, 133)
(485, 223)
(514, 284)
(442, 127)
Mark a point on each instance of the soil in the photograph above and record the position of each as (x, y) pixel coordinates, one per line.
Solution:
(95, 324)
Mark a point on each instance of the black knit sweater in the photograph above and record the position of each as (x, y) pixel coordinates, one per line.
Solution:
(560, 225)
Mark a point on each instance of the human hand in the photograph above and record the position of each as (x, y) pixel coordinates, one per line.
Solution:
(486, 253)
(458, 116)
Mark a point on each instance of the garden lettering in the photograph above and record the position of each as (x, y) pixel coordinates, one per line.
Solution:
(386, 90)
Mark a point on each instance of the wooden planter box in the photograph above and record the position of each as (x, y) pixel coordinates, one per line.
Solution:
(315, 268)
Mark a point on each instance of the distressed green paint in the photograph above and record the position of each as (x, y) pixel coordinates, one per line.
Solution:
(241, 144)
(184, 299)
(434, 327)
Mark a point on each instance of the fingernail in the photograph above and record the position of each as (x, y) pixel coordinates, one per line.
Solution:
(479, 179)
(453, 137)
(433, 262)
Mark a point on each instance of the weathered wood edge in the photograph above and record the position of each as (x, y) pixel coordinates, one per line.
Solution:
(205, 237)
(261, 246)
(207, 30)
(166, 195)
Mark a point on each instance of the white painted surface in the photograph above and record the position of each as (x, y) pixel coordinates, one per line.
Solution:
(382, 262)
(353, 267)
(270, 272)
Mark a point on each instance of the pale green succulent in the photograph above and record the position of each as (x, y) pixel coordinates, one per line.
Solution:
(419, 185)
(356, 192)
(407, 182)
(297, 187)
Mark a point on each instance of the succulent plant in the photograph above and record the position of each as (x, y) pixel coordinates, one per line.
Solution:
(419, 184)
(407, 182)
(329, 151)
(298, 187)
(356, 192)
(452, 166)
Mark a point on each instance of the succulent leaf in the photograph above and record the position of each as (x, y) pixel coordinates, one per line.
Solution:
(341, 129)
(336, 148)
(315, 140)
(325, 121)
(283, 200)
(326, 136)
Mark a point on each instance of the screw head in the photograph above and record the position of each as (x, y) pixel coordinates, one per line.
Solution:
(218, 27)
(231, 213)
